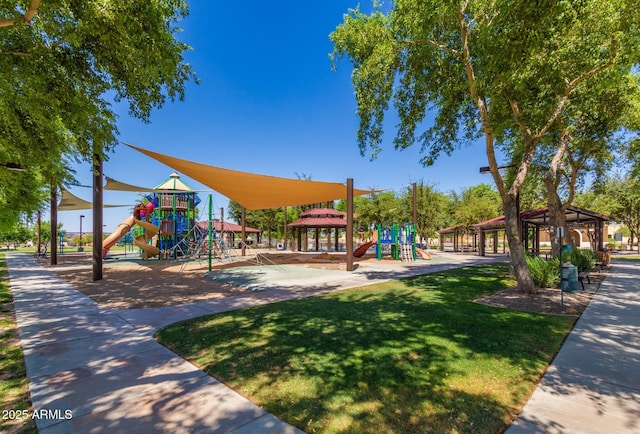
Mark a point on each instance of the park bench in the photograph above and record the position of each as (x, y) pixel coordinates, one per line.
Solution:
(41, 253)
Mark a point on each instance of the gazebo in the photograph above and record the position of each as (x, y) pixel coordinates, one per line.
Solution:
(317, 219)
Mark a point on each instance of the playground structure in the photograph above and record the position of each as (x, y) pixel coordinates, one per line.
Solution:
(164, 223)
(399, 240)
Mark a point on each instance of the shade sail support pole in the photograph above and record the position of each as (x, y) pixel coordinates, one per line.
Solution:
(349, 234)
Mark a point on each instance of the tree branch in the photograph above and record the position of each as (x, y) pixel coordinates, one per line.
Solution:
(435, 44)
(567, 93)
(14, 53)
(26, 18)
(480, 102)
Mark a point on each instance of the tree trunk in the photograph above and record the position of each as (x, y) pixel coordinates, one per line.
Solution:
(518, 256)
(557, 218)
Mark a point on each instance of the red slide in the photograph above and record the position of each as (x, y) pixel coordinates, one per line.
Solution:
(363, 249)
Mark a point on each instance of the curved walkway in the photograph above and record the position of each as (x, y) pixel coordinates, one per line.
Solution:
(93, 369)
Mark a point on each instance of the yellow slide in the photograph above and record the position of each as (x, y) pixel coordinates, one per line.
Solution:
(423, 253)
(142, 241)
(148, 251)
(121, 231)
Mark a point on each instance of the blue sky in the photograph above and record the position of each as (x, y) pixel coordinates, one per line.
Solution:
(269, 103)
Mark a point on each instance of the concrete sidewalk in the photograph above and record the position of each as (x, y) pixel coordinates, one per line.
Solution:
(593, 384)
(93, 369)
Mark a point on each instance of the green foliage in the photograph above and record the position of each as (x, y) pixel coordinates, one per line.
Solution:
(18, 234)
(476, 204)
(413, 56)
(625, 201)
(545, 274)
(432, 209)
(584, 259)
(60, 71)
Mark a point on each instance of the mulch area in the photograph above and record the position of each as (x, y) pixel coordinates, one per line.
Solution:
(134, 284)
(548, 300)
(152, 283)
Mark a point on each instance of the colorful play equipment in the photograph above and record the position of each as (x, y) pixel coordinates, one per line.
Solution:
(173, 211)
(163, 223)
(400, 239)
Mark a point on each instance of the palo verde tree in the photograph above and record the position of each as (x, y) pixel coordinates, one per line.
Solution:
(483, 68)
(62, 63)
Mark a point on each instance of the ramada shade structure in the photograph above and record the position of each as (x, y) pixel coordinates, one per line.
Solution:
(229, 230)
(533, 222)
(536, 221)
(318, 218)
(253, 191)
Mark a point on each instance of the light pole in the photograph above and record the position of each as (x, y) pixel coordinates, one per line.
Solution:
(80, 249)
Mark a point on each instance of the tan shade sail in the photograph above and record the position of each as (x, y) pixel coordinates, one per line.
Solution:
(253, 191)
(115, 185)
(112, 184)
(69, 202)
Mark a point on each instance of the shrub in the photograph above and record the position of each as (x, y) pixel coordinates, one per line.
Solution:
(584, 259)
(545, 274)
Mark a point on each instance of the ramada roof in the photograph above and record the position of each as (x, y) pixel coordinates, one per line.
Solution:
(540, 217)
(320, 218)
(228, 227)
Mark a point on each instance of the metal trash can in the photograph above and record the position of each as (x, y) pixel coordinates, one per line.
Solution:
(569, 278)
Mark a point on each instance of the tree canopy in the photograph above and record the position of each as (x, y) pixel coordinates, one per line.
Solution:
(503, 70)
(62, 64)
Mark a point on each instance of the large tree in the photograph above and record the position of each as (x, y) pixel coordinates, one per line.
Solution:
(488, 68)
(61, 63)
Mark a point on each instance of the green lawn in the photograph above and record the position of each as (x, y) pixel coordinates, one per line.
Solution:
(14, 385)
(626, 258)
(415, 355)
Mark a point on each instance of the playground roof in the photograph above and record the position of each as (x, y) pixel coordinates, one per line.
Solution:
(173, 183)
(69, 202)
(254, 191)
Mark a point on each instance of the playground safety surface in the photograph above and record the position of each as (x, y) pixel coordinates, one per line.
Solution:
(131, 283)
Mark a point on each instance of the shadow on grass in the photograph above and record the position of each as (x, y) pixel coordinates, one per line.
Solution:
(404, 356)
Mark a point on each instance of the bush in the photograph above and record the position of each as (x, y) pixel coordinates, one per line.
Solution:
(584, 259)
(545, 274)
